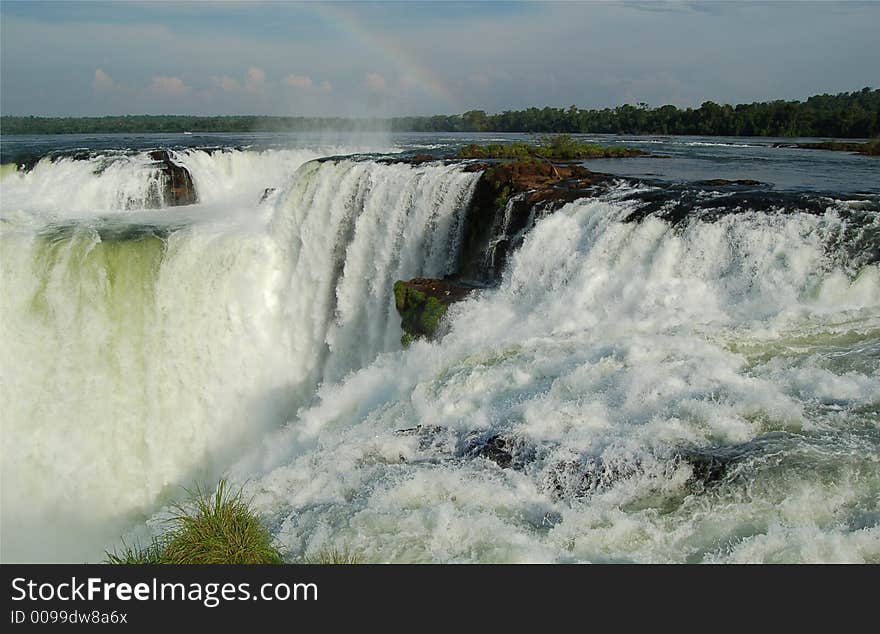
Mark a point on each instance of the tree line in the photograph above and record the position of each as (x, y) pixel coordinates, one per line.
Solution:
(845, 115)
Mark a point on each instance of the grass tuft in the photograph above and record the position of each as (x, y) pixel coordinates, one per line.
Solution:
(136, 554)
(209, 529)
(334, 556)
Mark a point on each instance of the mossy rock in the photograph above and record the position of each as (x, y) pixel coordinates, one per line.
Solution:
(422, 303)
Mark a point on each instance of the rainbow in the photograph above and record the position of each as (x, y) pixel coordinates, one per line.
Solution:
(422, 76)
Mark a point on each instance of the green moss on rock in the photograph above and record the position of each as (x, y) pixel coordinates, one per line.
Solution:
(422, 303)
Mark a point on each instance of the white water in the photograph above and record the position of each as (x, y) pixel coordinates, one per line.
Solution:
(109, 183)
(69, 187)
(617, 343)
(131, 367)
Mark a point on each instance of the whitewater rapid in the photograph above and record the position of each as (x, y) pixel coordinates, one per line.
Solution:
(609, 349)
(143, 351)
(148, 349)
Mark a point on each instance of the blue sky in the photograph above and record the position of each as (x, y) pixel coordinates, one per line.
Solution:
(380, 59)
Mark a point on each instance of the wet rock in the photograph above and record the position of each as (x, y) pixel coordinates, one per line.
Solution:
(706, 468)
(871, 148)
(586, 476)
(582, 478)
(508, 199)
(576, 479)
(177, 184)
(504, 450)
(423, 302)
(266, 193)
(431, 437)
(677, 203)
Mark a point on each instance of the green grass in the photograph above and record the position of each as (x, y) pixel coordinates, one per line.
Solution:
(210, 529)
(561, 147)
(334, 556)
(137, 554)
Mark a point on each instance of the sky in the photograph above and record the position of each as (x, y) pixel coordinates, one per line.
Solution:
(405, 58)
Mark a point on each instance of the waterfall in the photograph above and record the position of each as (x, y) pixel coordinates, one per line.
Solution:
(143, 350)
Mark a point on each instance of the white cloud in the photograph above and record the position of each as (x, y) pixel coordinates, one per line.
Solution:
(226, 83)
(254, 82)
(102, 81)
(298, 81)
(703, 56)
(306, 83)
(170, 86)
(256, 79)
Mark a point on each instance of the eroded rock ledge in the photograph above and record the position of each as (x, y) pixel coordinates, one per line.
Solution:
(177, 184)
(509, 198)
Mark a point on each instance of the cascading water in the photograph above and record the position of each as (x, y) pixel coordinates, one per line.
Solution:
(659, 375)
(70, 187)
(700, 392)
(145, 350)
(107, 183)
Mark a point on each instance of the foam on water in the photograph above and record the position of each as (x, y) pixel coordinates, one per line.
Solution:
(610, 349)
(77, 187)
(141, 357)
(69, 187)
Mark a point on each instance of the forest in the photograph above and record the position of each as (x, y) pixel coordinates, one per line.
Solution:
(845, 115)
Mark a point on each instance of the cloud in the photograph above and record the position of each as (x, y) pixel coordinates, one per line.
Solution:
(254, 82)
(298, 81)
(226, 83)
(758, 51)
(256, 79)
(102, 80)
(306, 83)
(375, 82)
(169, 86)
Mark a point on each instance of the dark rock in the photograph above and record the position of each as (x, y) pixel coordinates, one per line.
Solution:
(266, 193)
(576, 479)
(496, 450)
(504, 450)
(509, 197)
(871, 148)
(579, 478)
(677, 203)
(177, 184)
(706, 467)
(418, 430)
(431, 437)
